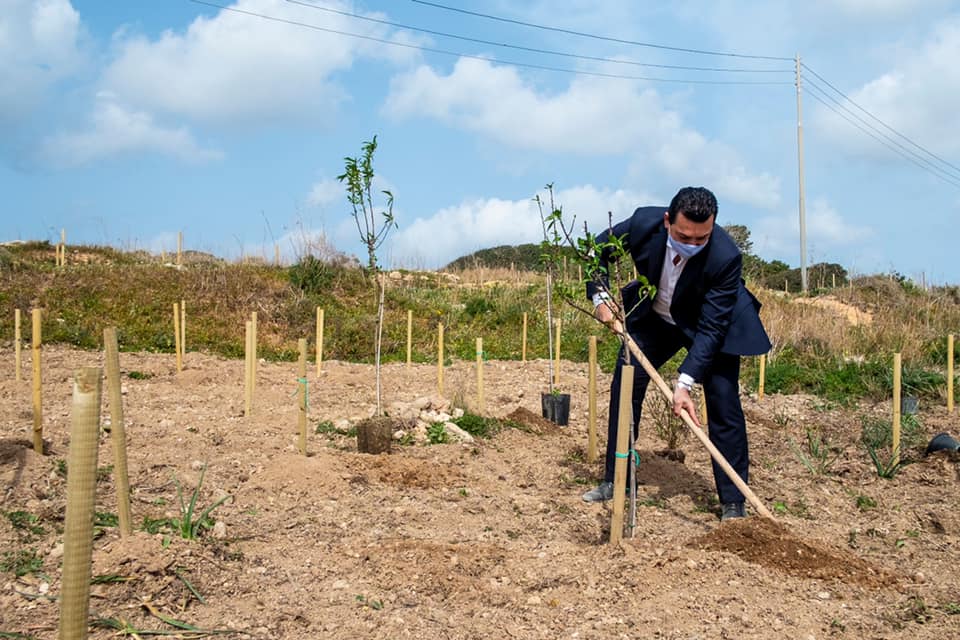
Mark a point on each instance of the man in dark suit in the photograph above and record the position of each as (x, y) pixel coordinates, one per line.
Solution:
(701, 304)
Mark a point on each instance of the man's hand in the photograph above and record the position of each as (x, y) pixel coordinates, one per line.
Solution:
(604, 313)
(682, 400)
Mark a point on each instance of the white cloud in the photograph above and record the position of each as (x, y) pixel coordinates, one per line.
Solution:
(115, 130)
(325, 192)
(237, 67)
(918, 96)
(39, 46)
(475, 224)
(827, 230)
(592, 117)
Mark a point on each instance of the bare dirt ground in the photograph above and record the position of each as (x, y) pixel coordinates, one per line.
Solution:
(489, 540)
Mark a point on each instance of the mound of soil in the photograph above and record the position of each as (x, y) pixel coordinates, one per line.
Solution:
(767, 543)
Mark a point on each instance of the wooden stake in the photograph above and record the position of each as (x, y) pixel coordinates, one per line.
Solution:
(248, 370)
(950, 373)
(440, 358)
(834, 276)
(523, 347)
(276, 254)
(703, 407)
(624, 425)
(118, 431)
(254, 348)
(897, 367)
(17, 344)
(176, 335)
(592, 401)
(81, 497)
(319, 340)
(302, 395)
(479, 375)
(37, 398)
(763, 376)
(556, 352)
(409, 336)
(183, 328)
(180, 248)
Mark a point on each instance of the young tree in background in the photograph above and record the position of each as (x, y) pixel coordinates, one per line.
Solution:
(373, 227)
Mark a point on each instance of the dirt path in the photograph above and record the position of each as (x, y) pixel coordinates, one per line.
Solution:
(489, 540)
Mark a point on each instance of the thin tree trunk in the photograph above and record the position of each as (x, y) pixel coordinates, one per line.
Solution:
(379, 340)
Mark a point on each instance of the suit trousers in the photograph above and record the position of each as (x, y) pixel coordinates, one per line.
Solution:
(727, 428)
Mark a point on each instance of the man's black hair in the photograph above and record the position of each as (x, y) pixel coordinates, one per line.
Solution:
(696, 203)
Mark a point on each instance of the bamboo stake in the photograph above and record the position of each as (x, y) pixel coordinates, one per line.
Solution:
(248, 370)
(479, 375)
(523, 347)
(592, 401)
(118, 431)
(253, 348)
(763, 376)
(703, 406)
(302, 393)
(180, 248)
(319, 340)
(37, 397)
(897, 368)
(950, 373)
(176, 335)
(17, 344)
(440, 358)
(81, 495)
(556, 355)
(624, 427)
(697, 431)
(276, 254)
(183, 328)
(409, 336)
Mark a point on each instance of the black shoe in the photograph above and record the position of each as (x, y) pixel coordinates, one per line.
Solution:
(601, 493)
(731, 510)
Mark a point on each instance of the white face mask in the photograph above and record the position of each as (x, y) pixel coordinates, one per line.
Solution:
(685, 250)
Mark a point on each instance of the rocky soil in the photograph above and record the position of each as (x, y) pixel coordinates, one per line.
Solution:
(482, 539)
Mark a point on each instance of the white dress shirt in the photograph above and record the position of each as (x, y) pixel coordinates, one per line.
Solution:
(668, 282)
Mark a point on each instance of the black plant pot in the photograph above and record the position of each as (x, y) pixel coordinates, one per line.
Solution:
(941, 442)
(556, 407)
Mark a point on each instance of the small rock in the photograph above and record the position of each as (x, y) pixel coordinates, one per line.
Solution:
(57, 551)
(824, 595)
(457, 432)
(197, 465)
(166, 423)
(340, 584)
(43, 587)
(219, 530)
(457, 413)
(399, 434)
(534, 600)
(919, 577)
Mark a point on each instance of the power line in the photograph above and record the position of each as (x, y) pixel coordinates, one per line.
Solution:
(882, 123)
(933, 171)
(457, 54)
(533, 25)
(885, 136)
(517, 47)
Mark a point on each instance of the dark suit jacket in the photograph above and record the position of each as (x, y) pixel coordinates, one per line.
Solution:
(710, 303)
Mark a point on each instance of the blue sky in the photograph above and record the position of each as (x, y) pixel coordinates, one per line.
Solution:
(128, 122)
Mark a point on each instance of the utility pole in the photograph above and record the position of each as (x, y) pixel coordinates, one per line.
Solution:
(803, 213)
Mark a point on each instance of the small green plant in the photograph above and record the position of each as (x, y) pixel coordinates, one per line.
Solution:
(951, 608)
(104, 473)
(669, 427)
(865, 503)
(437, 433)
(189, 525)
(326, 426)
(476, 425)
(887, 467)
(780, 507)
(60, 467)
(139, 375)
(26, 523)
(376, 605)
(21, 562)
(818, 457)
(917, 609)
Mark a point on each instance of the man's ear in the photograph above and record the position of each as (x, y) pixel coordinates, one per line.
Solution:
(666, 220)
